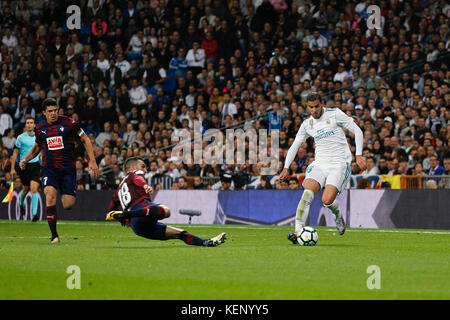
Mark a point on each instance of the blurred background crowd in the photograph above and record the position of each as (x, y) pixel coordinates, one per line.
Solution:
(138, 71)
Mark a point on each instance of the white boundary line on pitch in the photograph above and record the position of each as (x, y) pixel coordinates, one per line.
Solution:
(250, 227)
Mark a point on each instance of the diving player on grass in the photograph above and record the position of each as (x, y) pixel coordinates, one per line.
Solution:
(331, 166)
(56, 137)
(133, 196)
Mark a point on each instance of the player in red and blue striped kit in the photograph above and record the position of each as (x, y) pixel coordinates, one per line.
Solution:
(55, 136)
(142, 215)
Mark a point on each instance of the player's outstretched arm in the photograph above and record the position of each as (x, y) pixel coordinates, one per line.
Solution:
(292, 152)
(90, 151)
(31, 155)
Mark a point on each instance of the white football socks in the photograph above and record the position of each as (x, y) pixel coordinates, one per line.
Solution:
(303, 209)
(334, 208)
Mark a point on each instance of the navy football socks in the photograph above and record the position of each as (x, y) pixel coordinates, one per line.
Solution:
(192, 239)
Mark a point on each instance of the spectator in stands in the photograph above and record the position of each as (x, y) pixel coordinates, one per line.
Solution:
(9, 140)
(363, 183)
(265, 183)
(427, 161)
(155, 75)
(178, 65)
(293, 183)
(226, 182)
(227, 107)
(435, 168)
(418, 170)
(196, 58)
(182, 183)
(445, 182)
(198, 183)
(5, 167)
(431, 184)
(372, 169)
(138, 95)
(6, 121)
(123, 65)
(210, 46)
(105, 135)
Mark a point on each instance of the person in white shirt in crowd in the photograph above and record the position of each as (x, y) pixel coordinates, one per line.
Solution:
(138, 95)
(9, 140)
(122, 64)
(77, 46)
(341, 74)
(184, 114)
(372, 169)
(102, 62)
(136, 44)
(304, 74)
(317, 39)
(191, 96)
(6, 120)
(130, 135)
(10, 40)
(227, 107)
(105, 135)
(69, 86)
(208, 16)
(277, 54)
(196, 58)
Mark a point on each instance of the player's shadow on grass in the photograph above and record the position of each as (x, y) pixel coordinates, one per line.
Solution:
(338, 245)
(143, 248)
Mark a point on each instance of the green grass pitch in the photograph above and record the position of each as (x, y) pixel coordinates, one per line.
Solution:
(256, 262)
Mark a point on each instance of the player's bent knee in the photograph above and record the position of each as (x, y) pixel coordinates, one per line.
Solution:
(50, 201)
(327, 200)
(165, 211)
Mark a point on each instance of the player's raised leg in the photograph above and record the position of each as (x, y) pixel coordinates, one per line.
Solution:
(51, 214)
(68, 201)
(329, 200)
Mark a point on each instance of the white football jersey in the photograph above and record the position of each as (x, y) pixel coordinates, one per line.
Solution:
(329, 137)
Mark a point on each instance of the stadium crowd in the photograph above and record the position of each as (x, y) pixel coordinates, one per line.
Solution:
(138, 71)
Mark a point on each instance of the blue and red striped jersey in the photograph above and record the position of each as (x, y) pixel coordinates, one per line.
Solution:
(57, 140)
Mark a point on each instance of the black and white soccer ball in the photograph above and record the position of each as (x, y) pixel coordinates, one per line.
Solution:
(307, 236)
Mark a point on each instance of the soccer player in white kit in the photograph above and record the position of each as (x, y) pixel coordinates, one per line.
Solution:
(331, 166)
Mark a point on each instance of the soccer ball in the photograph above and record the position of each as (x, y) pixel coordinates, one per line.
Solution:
(307, 236)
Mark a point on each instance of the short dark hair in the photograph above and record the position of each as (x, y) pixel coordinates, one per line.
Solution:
(372, 158)
(48, 102)
(313, 96)
(293, 179)
(129, 162)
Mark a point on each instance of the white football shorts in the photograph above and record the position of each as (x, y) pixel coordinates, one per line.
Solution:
(335, 174)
